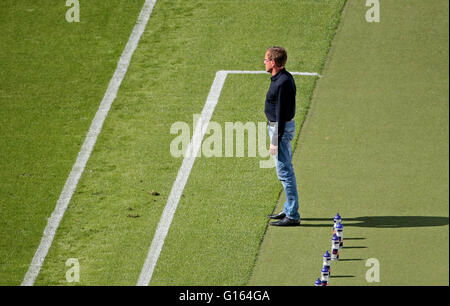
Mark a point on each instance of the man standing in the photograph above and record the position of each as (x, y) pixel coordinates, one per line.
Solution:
(280, 112)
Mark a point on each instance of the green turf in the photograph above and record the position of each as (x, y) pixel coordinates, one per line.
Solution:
(220, 221)
(375, 149)
(216, 231)
(53, 75)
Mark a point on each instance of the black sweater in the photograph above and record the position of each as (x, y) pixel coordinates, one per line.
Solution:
(280, 102)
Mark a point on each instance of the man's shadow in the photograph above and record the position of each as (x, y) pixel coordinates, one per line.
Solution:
(383, 221)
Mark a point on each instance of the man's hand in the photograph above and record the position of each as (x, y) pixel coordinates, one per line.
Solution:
(273, 150)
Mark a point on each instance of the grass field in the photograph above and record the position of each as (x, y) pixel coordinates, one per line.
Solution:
(375, 149)
(53, 75)
(374, 146)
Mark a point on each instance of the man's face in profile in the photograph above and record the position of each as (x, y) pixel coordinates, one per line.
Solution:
(268, 62)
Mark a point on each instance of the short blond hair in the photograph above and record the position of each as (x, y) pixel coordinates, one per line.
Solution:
(278, 54)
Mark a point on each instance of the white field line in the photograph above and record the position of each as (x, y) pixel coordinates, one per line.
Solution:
(185, 169)
(264, 72)
(88, 145)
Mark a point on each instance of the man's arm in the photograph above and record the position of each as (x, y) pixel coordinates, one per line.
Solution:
(282, 100)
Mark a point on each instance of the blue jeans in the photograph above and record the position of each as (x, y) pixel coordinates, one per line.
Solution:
(285, 170)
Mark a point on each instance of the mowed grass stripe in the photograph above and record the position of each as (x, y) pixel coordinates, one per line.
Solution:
(222, 216)
(192, 150)
(52, 76)
(88, 145)
(375, 149)
(219, 223)
(202, 126)
(113, 216)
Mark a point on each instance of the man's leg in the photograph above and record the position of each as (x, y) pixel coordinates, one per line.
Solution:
(285, 172)
(281, 214)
